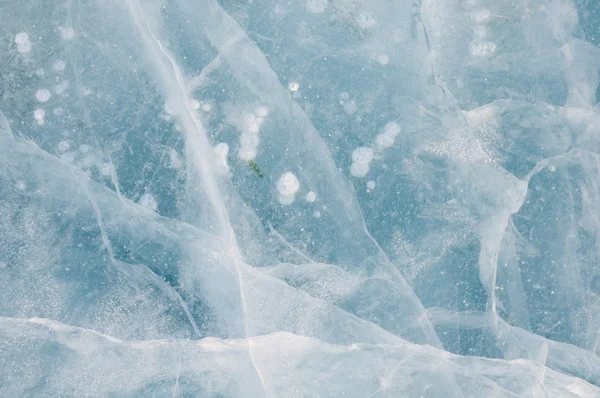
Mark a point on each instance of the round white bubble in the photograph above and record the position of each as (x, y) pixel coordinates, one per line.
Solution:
(147, 200)
(195, 104)
(21, 186)
(383, 59)
(293, 86)
(317, 214)
(23, 43)
(362, 155)
(359, 169)
(43, 95)
(288, 184)
(207, 107)
(371, 185)
(106, 169)
(59, 66)
(67, 33)
(552, 168)
(21, 38)
(311, 197)
(64, 146)
(39, 115)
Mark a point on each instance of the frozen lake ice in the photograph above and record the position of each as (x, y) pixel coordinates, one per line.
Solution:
(305, 198)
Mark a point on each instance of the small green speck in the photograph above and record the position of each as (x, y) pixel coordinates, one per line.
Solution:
(255, 168)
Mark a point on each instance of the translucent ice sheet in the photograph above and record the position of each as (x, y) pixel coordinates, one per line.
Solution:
(309, 198)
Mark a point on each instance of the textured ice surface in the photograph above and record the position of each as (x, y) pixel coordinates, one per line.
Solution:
(302, 198)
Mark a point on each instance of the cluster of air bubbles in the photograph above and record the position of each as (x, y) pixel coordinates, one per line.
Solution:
(82, 157)
(64, 146)
(249, 139)
(287, 186)
(362, 156)
(382, 58)
(23, 43)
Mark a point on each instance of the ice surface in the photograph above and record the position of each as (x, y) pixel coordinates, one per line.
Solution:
(305, 198)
